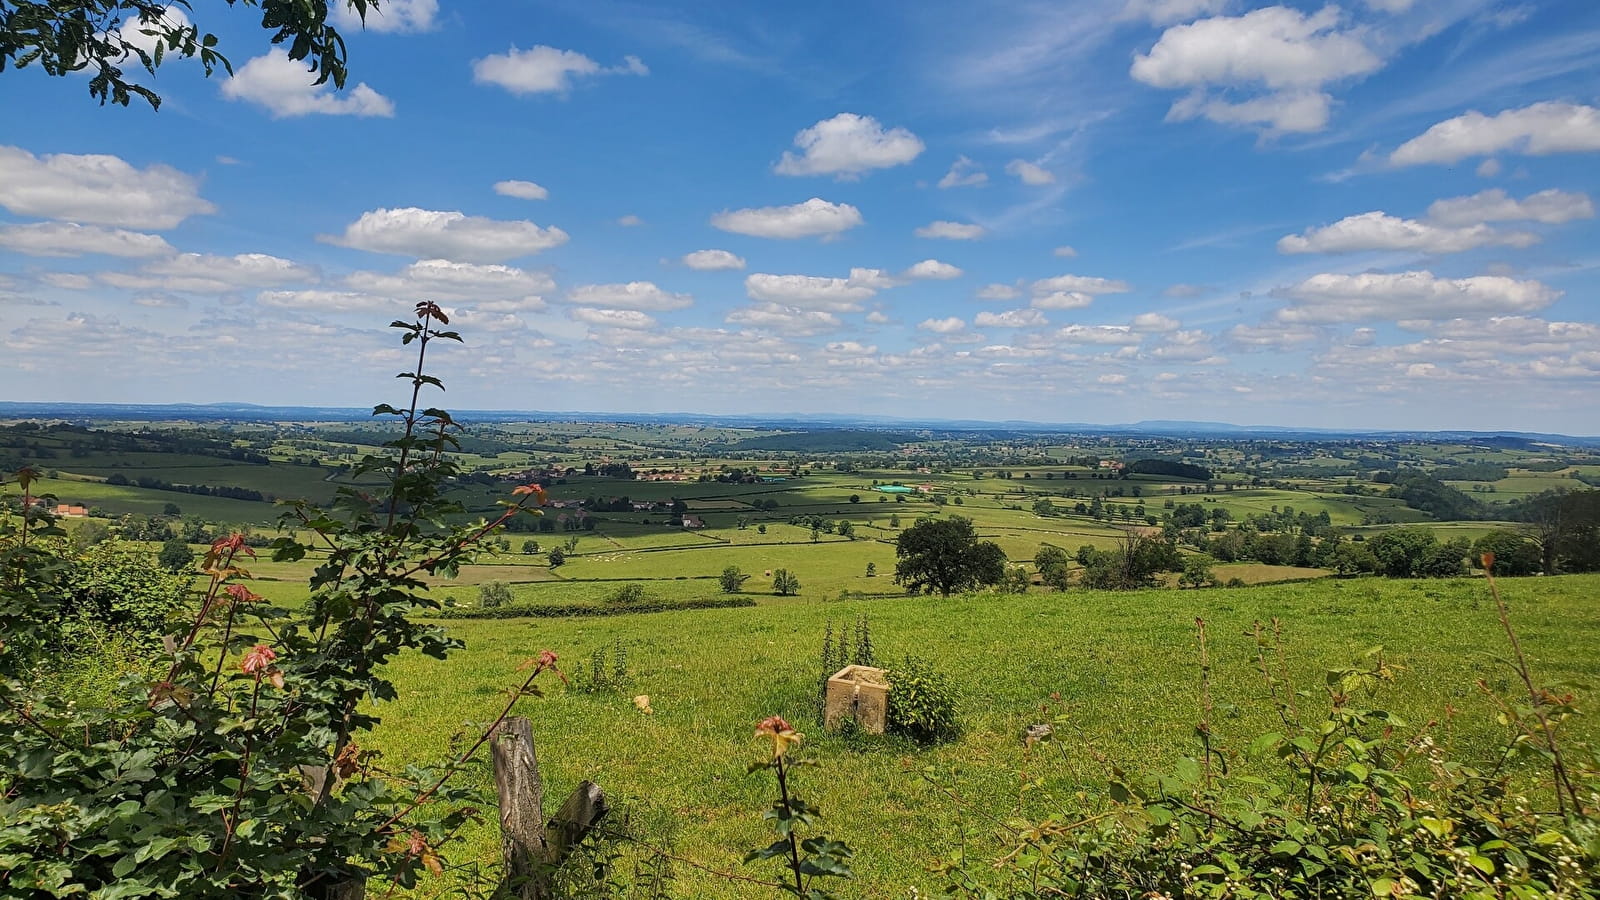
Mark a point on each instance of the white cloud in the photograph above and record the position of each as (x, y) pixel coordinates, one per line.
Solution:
(429, 233)
(1552, 207)
(1112, 379)
(787, 320)
(814, 292)
(1183, 290)
(630, 221)
(204, 274)
(1011, 318)
(70, 281)
(439, 279)
(943, 326)
(329, 301)
(1489, 168)
(1096, 334)
(1030, 173)
(848, 145)
(544, 70)
(1166, 12)
(712, 260)
(812, 218)
(613, 318)
(1065, 252)
(1541, 129)
(1272, 336)
(1328, 298)
(1380, 231)
(67, 239)
(998, 292)
(1516, 335)
(97, 189)
(1061, 300)
(1155, 322)
(642, 295)
(390, 16)
(933, 269)
(522, 190)
(1296, 112)
(1288, 53)
(284, 87)
(1083, 284)
(963, 173)
(951, 231)
(876, 317)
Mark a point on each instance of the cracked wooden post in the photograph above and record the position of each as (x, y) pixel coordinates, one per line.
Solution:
(521, 795)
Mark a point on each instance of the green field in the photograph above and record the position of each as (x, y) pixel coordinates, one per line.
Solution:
(1121, 663)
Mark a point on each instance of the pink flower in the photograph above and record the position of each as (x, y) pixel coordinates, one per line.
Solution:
(257, 659)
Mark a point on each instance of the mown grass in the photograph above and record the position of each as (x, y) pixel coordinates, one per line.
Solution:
(1122, 665)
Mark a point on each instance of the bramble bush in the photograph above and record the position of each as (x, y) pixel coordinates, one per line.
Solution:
(237, 769)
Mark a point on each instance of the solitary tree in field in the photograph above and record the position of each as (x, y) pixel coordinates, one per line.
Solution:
(945, 555)
(731, 580)
(785, 583)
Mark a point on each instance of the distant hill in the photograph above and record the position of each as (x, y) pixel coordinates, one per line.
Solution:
(826, 441)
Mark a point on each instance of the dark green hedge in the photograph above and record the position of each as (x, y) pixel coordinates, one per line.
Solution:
(561, 610)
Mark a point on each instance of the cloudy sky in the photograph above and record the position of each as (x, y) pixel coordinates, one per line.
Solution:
(1372, 214)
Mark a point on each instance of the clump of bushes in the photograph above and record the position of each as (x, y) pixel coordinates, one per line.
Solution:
(922, 702)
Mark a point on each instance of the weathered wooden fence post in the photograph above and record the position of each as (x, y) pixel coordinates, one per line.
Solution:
(532, 847)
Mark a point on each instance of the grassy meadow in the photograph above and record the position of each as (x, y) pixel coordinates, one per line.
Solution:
(1123, 666)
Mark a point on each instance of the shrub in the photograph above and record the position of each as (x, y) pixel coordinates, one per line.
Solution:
(493, 594)
(731, 580)
(784, 583)
(629, 595)
(922, 702)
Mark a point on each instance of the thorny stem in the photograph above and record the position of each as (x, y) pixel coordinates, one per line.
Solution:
(1205, 699)
(794, 847)
(1557, 763)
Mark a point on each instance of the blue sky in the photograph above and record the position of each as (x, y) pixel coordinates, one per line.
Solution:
(1372, 214)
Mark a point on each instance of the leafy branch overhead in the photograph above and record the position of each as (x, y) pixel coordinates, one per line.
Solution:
(107, 37)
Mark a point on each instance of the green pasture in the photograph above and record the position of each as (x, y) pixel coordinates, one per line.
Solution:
(123, 499)
(1122, 665)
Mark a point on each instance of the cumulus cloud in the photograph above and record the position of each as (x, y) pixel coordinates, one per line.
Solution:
(951, 231)
(950, 325)
(545, 70)
(205, 274)
(933, 269)
(963, 173)
(1552, 207)
(1030, 173)
(847, 146)
(1541, 129)
(786, 320)
(641, 295)
(97, 189)
(1271, 336)
(1112, 335)
(1061, 300)
(813, 218)
(613, 318)
(390, 16)
(1011, 318)
(998, 292)
(630, 221)
(441, 279)
(1289, 54)
(1082, 284)
(816, 292)
(712, 260)
(284, 87)
(1154, 322)
(67, 239)
(1380, 231)
(522, 190)
(1328, 298)
(454, 235)
(1065, 252)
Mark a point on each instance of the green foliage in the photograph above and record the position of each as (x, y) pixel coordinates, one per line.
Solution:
(1514, 554)
(1197, 572)
(580, 610)
(558, 557)
(808, 859)
(630, 595)
(1168, 468)
(176, 555)
(785, 583)
(83, 35)
(1136, 562)
(608, 670)
(1054, 566)
(494, 594)
(732, 580)
(945, 555)
(1358, 804)
(922, 702)
(1422, 491)
(192, 782)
